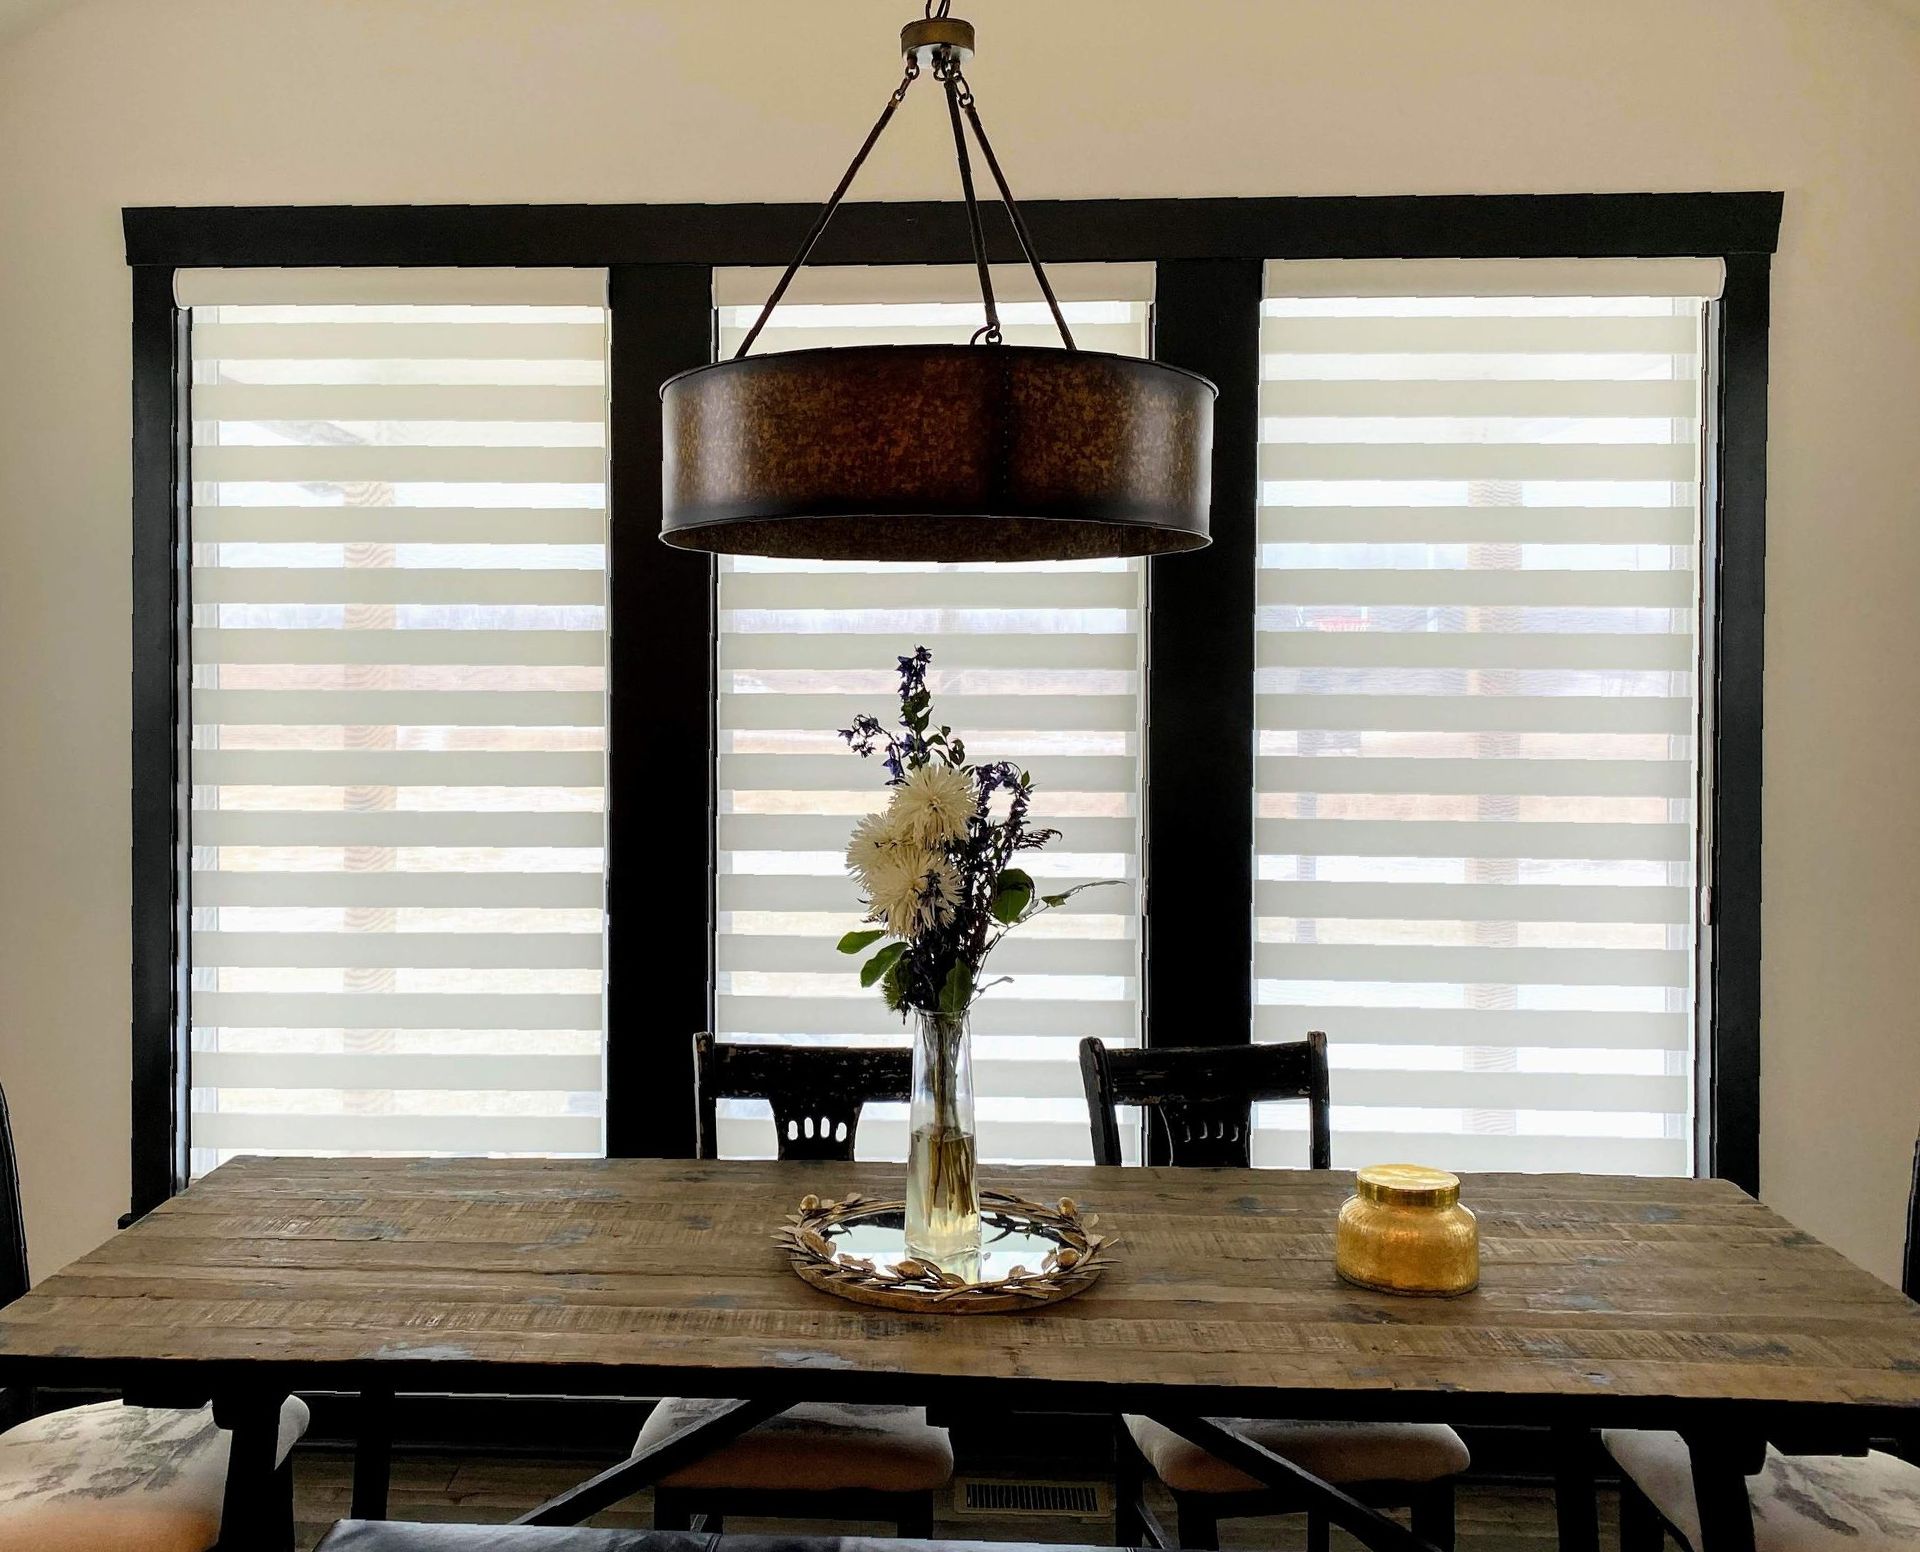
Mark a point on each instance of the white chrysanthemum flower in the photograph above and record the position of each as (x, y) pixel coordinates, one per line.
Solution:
(912, 889)
(934, 804)
(875, 838)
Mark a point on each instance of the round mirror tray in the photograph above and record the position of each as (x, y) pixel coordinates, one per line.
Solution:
(1029, 1255)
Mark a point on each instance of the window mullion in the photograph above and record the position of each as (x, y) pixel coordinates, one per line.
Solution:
(660, 782)
(1198, 860)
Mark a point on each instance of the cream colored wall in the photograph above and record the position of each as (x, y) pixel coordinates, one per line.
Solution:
(122, 102)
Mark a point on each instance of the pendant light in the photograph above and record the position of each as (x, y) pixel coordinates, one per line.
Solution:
(978, 452)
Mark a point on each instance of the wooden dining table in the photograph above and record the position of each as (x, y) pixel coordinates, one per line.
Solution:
(1603, 1302)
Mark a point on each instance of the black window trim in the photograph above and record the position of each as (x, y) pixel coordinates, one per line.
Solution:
(660, 258)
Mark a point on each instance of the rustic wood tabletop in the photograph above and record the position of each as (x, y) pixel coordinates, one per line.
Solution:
(1603, 1300)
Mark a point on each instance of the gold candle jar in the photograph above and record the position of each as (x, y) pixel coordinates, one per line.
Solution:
(1404, 1231)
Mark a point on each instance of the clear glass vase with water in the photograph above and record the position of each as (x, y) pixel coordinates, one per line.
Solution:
(943, 1190)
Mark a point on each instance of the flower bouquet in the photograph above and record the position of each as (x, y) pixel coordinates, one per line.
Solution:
(936, 873)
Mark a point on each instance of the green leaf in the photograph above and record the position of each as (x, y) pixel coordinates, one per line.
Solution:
(1012, 896)
(893, 987)
(853, 942)
(881, 963)
(958, 991)
(1054, 902)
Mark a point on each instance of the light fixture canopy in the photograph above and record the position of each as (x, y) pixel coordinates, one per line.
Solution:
(976, 452)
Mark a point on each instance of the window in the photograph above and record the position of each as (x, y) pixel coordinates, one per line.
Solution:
(1501, 710)
(1037, 663)
(1478, 704)
(398, 711)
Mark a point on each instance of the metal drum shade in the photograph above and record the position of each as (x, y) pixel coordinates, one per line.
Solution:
(937, 452)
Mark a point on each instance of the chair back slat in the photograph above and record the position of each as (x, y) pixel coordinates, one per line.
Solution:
(13, 1223)
(817, 1092)
(1198, 1100)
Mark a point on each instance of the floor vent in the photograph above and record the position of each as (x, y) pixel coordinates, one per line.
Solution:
(1077, 1500)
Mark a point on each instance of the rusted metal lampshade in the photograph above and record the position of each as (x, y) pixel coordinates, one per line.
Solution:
(938, 452)
(980, 452)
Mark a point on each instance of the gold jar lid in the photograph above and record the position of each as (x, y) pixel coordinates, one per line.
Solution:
(1406, 1185)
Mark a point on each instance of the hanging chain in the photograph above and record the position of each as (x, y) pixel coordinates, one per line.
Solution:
(1020, 232)
(833, 203)
(946, 70)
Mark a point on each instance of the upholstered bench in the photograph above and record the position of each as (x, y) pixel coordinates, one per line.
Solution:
(401, 1536)
(404, 1536)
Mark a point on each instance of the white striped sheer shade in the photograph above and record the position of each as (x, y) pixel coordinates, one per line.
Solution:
(1037, 663)
(398, 710)
(1477, 671)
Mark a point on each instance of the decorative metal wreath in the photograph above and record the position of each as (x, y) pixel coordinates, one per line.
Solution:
(1077, 1258)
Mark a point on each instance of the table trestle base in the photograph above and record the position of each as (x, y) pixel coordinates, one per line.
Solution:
(1322, 1500)
(693, 1442)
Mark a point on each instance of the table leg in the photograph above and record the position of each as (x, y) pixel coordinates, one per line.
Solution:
(256, 1511)
(1573, 1502)
(373, 1455)
(1720, 1470)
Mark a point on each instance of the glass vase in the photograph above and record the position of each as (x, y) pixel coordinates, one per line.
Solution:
(943, 1193)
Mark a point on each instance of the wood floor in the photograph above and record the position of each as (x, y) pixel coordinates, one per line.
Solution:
(492, 1489)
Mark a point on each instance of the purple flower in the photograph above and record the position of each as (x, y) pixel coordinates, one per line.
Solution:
(982, 894)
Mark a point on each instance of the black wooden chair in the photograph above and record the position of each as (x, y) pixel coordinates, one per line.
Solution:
(1198, 1104)
(1198, 1100)
(111, 1477)
(818, 1460)
(1801, 1503)
(816, 1092)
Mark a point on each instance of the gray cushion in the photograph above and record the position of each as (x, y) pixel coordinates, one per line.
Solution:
(1341, 1453)
(1801, 1503)
(819, 1447)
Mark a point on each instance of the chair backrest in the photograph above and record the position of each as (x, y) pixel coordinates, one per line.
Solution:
(817, 1091)
(1199, 1100)
(1910, 1262)
(13, 1223)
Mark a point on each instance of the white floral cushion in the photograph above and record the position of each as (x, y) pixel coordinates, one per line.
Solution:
(1801, 1503)
(1342, 1453)
(820, 1447)
(113, 1478)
